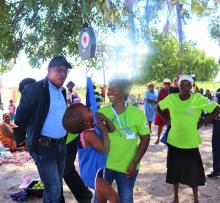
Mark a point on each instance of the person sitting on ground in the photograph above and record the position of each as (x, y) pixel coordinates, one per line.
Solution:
(7, 135)
(79, 119)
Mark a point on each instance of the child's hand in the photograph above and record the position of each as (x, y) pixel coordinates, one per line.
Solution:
(108, 123)
(101, 117)
(101, 126)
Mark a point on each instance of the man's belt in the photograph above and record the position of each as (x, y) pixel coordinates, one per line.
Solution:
(46, 141)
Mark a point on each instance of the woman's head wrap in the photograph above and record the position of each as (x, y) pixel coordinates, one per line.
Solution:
(185, 77)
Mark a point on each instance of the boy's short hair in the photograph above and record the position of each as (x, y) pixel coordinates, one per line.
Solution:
(70, 123)
(25, 82)
(70, 83)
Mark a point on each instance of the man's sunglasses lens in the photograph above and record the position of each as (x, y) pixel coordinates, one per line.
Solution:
(60, 70)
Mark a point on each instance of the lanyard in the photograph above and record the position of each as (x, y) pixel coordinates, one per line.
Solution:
(118, 119)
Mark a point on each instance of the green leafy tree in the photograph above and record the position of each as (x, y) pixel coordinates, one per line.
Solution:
(44, 28)
(163, 59)
(214, 26)
(214, 20)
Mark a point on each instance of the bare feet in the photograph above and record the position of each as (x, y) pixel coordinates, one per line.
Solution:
(157, 142)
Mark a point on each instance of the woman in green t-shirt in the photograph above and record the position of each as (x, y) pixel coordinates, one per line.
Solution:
(128, 143)
(184, 163)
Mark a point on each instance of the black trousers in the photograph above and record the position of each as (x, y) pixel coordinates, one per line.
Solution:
(216, 146)
(71, 176)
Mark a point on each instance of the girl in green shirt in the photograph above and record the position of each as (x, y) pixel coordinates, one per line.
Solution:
(128, 143)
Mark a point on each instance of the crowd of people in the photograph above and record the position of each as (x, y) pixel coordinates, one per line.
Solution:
(55, 125)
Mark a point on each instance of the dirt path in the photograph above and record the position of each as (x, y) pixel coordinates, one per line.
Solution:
(150, 185)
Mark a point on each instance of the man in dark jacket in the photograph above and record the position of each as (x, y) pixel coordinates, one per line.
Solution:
(216, 143)
(40, 113)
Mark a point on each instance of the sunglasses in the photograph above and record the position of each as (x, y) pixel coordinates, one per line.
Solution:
(59, 70)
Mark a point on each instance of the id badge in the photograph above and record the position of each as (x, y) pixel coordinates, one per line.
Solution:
(129, 134)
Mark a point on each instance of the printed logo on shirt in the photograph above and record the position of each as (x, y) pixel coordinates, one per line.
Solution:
(190, 110)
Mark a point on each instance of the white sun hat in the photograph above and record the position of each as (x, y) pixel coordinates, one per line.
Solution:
(186, 77)
(167, 80)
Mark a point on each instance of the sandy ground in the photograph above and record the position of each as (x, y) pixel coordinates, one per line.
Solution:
(150, 185)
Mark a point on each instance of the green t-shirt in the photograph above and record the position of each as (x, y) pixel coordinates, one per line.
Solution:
(123, 150)
(71, 137)
(184, 118)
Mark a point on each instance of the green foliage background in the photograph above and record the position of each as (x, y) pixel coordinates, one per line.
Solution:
(44, 28)
(163, 61)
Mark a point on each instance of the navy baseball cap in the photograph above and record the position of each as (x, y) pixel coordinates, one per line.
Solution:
(59, 60)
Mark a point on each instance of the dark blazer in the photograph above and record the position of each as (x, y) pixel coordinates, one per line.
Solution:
(32, 111)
